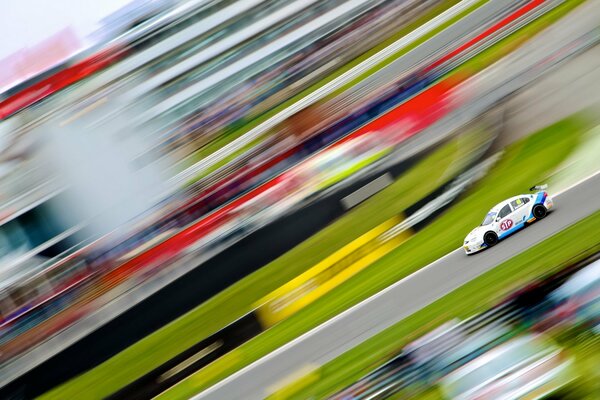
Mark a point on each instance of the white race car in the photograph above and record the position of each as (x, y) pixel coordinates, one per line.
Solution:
(508, 217)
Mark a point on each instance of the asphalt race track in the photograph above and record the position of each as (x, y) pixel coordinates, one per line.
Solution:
(398, 301)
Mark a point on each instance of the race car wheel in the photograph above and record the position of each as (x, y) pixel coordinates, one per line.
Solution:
(490, 238)
(539, 211)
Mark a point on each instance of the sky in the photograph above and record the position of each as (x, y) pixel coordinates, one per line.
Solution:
(24, 23)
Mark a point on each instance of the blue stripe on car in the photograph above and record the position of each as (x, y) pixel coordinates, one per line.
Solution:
(541, 198)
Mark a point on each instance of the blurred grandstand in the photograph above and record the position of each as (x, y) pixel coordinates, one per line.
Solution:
(170, 65)
(227, 115)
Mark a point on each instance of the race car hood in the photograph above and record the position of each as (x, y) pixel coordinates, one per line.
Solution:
(477, 233)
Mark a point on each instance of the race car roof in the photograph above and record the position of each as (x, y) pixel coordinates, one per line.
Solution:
(498, 206)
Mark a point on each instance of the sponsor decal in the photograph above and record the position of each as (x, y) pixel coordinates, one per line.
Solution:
(506, 224)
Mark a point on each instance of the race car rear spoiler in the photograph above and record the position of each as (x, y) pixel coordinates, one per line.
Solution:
(538, 187)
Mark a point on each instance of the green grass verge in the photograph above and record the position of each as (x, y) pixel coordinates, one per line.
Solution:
(568, 246)
(236, 300)
(580, 164)
(529, 160)
(227, 137)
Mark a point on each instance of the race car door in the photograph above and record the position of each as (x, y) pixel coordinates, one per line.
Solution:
(520, 212)
(505, 219)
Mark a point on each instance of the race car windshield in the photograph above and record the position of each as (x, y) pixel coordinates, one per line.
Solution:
(488, 218)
